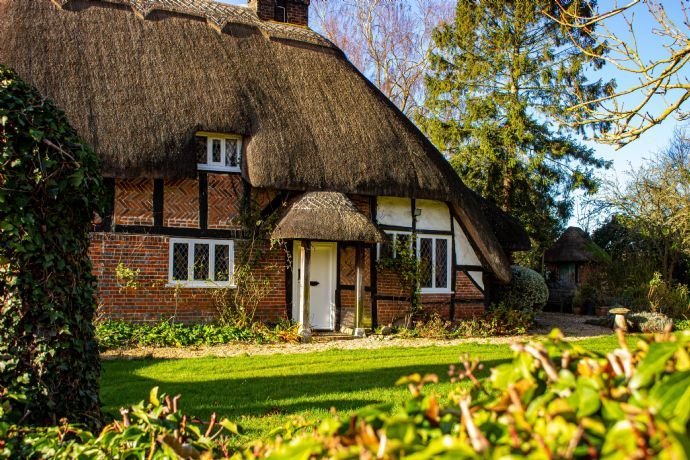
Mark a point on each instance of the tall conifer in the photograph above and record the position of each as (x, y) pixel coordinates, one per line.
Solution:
(502, 74)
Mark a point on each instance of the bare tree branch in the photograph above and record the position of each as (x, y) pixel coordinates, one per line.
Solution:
(662, 87)
(387, 41)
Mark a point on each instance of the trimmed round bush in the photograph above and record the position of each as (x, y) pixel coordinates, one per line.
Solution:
(526, 291)
(50, 188)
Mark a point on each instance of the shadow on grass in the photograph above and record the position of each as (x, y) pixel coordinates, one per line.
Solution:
(259, 396)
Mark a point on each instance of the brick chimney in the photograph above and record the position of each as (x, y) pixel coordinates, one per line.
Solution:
(290, 11)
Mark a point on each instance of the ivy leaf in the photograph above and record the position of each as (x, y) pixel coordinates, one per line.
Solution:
(36, 134)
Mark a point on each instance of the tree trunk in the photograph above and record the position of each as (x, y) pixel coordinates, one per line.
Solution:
(507, 190)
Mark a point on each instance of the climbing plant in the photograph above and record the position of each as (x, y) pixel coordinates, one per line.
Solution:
(50, 188)
(402, 258)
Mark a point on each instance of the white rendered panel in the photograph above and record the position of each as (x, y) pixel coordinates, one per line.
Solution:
(464, 253)
(434, 215)
(394, 211)
(478, 278)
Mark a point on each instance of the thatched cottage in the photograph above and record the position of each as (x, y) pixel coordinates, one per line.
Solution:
(209, 118)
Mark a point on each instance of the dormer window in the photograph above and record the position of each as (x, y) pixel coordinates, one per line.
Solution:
(223, 152)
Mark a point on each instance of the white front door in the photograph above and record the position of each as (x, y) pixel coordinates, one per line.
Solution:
(322, 284)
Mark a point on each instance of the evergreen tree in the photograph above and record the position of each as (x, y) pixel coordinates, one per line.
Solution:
(501, 74)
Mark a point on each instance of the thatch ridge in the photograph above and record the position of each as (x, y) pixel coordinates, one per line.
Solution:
(574, 245)
(326, 216)
(217, 15)
(138, 89)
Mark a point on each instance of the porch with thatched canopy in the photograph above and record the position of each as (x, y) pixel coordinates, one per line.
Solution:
(326, 217)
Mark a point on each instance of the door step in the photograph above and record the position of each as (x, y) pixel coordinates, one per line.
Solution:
(331, 336)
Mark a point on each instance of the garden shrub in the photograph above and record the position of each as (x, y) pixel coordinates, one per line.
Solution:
(433, 328)
(120, 334)
(153, 430)
(527, 290)
(555, 399)
(497, 320)
(649, 322)
(50, 188)
(666, 298)
(681, 325)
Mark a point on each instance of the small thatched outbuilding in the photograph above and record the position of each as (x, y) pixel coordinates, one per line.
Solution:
(571, 259)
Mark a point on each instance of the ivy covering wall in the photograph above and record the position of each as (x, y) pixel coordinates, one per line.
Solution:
(50, 188)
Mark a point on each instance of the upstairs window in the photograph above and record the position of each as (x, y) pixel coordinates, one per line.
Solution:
(223, 153)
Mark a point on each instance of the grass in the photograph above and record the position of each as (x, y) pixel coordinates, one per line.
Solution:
(263, 392)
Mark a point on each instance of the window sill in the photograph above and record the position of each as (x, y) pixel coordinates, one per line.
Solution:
(435, 291)
(205, 167)
(199, 284)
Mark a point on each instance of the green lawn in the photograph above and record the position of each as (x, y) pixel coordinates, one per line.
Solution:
(262, 392)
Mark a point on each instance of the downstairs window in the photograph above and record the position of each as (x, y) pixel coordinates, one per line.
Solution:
(433, 253)
(201, 263)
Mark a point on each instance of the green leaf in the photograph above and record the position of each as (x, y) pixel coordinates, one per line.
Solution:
(153, 397)
(230, 426)
(671, 399)
(589, 400)
(652, 364)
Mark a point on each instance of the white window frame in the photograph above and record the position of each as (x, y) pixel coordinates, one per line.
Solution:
(190, 281)
(393, 234)
(210, 165)
(434, 238)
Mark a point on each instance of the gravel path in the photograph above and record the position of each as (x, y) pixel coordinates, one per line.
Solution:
(573, 326)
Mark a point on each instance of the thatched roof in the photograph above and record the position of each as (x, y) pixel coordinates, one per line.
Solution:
(326, 216)
(510, 233)
(137, 79)
(574, 245)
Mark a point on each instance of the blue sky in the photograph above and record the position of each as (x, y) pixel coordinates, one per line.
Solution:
(632, 155)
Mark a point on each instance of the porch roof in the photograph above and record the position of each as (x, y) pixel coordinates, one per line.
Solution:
(326, 216)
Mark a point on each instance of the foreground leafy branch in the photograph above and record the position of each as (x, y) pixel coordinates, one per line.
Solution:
(555, 399)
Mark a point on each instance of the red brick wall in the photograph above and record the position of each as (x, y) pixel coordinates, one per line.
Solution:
(181, 203)
(469, 300)
(133, 202)
(362, 203)
(224, 200)
(297, 10)
(152, 299)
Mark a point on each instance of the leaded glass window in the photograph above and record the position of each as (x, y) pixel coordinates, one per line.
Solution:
(201, 263)
(216, 154)
(222, 262)
(433, 253)
(426, 253)
(223, 153)
(232, 157)
(180, 261)
(441, 263)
